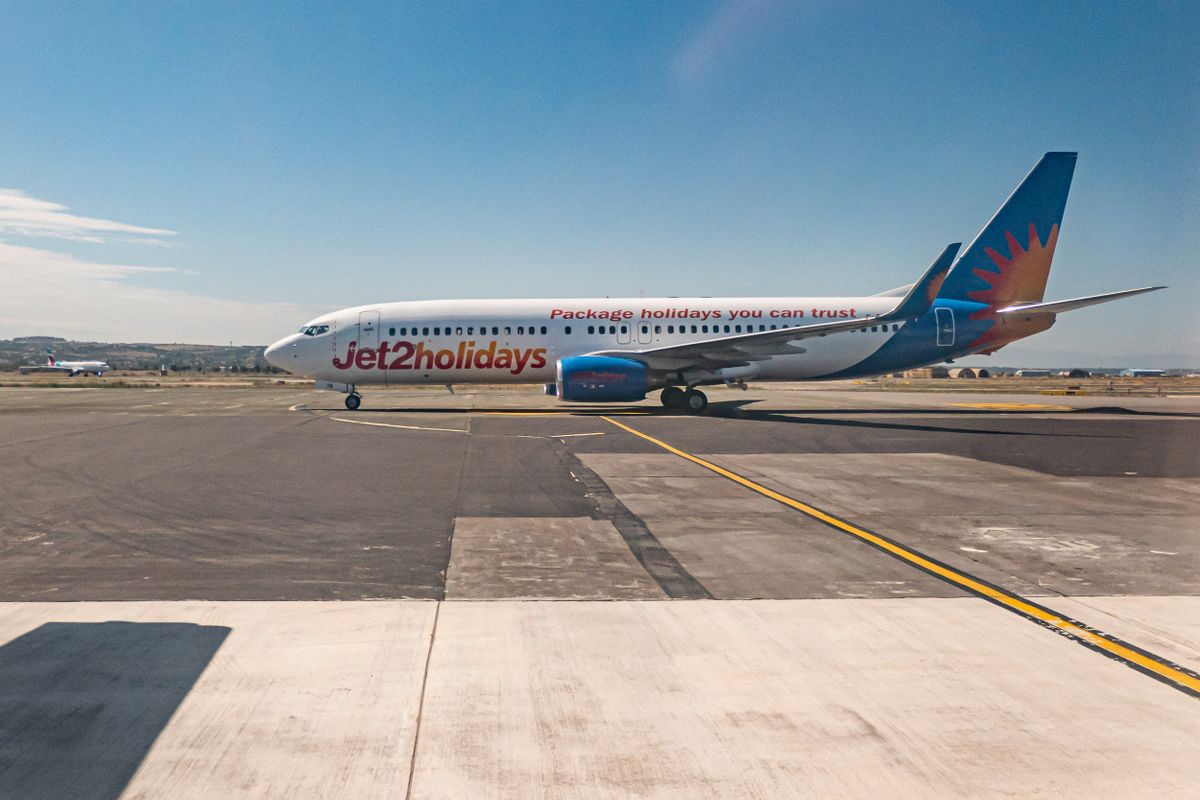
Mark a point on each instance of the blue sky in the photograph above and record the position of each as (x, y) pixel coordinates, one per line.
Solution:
(260, 163)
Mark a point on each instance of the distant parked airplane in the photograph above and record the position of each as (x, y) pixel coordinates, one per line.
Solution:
(619, 350)
(72, 368)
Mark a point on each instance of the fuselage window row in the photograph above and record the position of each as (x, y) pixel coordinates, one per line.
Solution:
(593, 330)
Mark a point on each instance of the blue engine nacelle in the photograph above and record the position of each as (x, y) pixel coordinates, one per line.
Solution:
(601, 379)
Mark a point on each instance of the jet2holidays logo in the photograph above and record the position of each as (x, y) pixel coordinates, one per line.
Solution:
(407, 356)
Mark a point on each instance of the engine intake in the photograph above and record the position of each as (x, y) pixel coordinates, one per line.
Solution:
(601, 379)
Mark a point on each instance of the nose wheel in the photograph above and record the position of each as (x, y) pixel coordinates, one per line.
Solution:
(353, 401)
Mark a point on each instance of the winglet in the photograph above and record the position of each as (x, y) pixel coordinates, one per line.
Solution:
(920, 297)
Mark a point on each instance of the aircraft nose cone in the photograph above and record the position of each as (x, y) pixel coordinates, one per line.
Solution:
(274, 354)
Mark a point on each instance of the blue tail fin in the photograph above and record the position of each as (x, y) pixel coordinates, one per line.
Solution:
(1009, 261)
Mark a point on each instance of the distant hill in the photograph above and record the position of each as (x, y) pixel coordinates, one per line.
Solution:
(176, 357)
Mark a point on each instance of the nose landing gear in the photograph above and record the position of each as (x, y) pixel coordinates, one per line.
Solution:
(353, 401)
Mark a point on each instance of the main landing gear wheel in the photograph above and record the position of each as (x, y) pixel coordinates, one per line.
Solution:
(672, 397)
(695, 401)
(353, 401)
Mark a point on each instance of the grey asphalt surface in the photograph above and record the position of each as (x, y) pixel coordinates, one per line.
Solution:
(261, 494)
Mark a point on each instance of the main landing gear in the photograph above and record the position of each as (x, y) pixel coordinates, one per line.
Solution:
(353, 401)
(693, 401)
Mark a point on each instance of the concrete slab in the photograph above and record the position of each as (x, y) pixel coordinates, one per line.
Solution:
(768, 699)
(543, 557)
(687, 497)
(782, 556)
(1032, 533)
(1167, 626)
(643, 465)
(291, 700)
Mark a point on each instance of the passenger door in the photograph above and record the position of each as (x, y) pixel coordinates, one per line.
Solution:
(368, 330)
(643, 333)
(623, 335)
(945, 326)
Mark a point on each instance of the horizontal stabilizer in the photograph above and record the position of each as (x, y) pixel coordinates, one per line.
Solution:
(1078, 302)
(899, 291)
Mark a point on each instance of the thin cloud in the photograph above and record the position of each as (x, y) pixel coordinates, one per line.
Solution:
(55, 294)
(730, 28)
(22, 215)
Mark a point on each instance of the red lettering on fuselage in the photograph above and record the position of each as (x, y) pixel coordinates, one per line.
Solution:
(466, 355)
(348, 362)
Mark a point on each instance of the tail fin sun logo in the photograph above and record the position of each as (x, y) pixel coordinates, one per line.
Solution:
(1019, 278)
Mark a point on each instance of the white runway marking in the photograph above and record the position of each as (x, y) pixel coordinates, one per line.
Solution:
(393, 425)
(554, 436)
(298, 407)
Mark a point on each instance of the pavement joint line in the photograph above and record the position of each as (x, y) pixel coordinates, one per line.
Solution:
(1157, 667)
(412, 761)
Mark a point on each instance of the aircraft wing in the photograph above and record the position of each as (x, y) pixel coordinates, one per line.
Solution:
(745, 348)
(1079, 302)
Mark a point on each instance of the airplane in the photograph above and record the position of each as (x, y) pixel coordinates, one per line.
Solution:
(620, 350)
(73, 368)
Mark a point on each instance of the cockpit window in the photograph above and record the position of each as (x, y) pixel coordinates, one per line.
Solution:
(314, 330)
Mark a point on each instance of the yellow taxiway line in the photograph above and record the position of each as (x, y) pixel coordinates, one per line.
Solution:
(1013, 406)
(1171, 674)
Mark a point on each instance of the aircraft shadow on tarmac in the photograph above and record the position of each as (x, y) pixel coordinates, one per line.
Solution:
(82, 703)
(734, 409)
(814, 417)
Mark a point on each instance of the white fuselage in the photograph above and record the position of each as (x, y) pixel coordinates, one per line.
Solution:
(495, 341)
(83, 366)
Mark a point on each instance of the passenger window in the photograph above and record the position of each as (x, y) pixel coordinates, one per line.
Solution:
(896, 327)
(508, 330)
(737, 328)
(704, 329)
(645, 329)
(437, 331)
(658, 328)
(727, 329)
(670, 329)
(874, 329)
(695, 329)
(762, 327)
(391, 331)
(424, 331)
(591, 329)
(624, 329)
(772, 327)
(612, 328)
(470, 331)
(543, 329)
(403, 331)
(568, 330)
